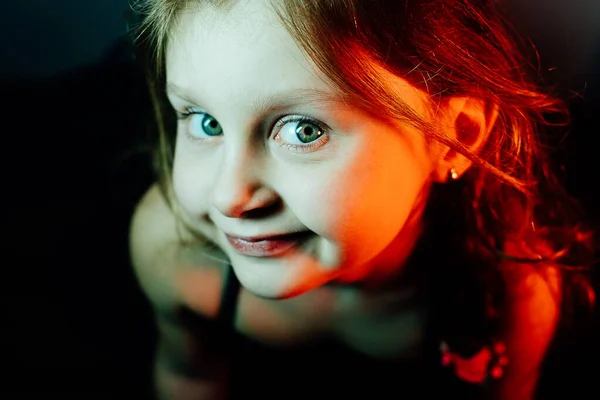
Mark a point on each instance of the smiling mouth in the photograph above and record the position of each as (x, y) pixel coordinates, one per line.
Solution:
(267, 247)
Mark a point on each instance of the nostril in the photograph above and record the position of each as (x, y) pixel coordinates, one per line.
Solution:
(271, 208)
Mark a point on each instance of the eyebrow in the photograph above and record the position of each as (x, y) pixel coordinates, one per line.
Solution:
(276, 101)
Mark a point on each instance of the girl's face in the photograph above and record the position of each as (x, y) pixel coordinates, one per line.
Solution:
(264, 146)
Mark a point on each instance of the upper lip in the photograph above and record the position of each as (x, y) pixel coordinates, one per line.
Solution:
(267, 237)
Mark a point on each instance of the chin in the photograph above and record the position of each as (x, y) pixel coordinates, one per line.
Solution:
(280, 279)
(269, 293)
(266, 289)
(277, 285)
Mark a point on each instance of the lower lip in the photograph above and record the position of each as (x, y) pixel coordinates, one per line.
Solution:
(265, 248)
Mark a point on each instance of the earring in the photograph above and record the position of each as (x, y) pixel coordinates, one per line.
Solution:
(452, 174)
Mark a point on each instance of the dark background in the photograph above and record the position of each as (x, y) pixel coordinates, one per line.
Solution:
(74, 164)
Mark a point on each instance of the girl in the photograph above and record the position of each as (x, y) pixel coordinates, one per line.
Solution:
(351, 195)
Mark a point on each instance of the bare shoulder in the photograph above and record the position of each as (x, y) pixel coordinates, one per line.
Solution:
(152, 235)
(169, 273)
(533, 305)
(152, 226)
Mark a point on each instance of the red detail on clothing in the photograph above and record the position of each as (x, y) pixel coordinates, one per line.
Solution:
(446, 359)
(497, 372)
(477, 368)
(499, 348)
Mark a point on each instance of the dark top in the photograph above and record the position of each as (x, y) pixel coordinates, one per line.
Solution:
(328, 368)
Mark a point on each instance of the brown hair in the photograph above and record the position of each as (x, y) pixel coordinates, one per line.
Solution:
(446, 48)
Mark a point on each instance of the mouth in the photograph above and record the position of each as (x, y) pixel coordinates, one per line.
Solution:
(270, 246)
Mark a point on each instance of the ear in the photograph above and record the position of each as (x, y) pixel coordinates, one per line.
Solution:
(468, 120)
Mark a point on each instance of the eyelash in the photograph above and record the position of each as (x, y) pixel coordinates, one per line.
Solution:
(183, 116)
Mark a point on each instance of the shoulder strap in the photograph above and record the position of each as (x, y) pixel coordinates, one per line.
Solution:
(229, 298)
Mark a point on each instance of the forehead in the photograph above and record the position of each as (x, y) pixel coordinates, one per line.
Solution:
(239, 51)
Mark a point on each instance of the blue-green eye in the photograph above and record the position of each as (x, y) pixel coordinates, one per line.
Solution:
(308, 132)
(199, 125)
(204, 123)
(300, 134)
(300, 131)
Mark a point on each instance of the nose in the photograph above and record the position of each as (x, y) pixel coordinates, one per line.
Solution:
(240, 189)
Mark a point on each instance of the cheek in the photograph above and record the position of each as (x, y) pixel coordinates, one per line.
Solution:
(363, 202)
(191, 182)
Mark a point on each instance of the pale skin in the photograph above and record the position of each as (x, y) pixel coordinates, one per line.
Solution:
(360, 190)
